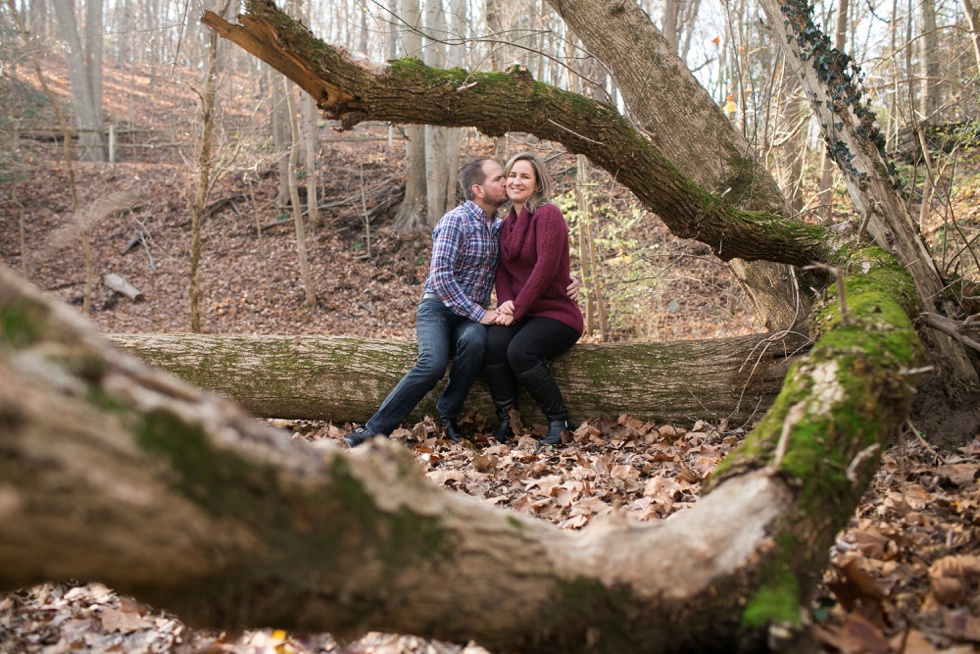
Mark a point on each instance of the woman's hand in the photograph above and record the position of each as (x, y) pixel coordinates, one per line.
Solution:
(504, 319)
(507, 308)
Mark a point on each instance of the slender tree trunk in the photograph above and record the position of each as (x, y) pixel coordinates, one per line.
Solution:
(498, 61)
(411, 213)
(304, 263)
(438, 140)
(311, 148)
(203, 185)
(311, 143)
(928, 45)
(671, 13)
(825, 196)
(280, 136)
(95, 52)
(973, 23)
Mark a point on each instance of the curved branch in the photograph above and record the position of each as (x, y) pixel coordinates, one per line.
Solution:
(409, 92)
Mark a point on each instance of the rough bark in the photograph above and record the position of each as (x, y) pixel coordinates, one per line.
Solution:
(622, 36)
(176, 497)
(410, 92)
(338, 379)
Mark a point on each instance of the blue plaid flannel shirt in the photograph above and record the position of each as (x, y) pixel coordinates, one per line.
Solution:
(465, 252)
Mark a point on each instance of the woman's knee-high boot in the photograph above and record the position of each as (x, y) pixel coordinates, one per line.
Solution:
(542, 386)
(503, 390)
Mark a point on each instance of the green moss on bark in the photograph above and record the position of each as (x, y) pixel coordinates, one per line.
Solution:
(21, 322)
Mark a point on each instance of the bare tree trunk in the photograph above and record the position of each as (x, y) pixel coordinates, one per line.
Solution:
(203, 186)
(304, 263)
(311, 148)
(95, 52)
(411, 213)
(498, 61)
(928, 45)
(595, 306)
(671, 12)
(83, 94)
(826, 193)
(973, 23)
(438, 141)
(311, 145)
(280, 136)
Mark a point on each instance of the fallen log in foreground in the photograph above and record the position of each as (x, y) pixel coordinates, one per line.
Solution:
(346, 379)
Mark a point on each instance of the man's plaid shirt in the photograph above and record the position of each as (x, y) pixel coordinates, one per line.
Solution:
(465, 252)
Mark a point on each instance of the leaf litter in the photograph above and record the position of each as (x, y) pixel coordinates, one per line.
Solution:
(904, 576)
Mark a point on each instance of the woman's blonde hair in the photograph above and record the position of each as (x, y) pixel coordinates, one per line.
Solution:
(543, 193)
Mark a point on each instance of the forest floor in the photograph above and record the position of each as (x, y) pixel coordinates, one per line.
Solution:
(903, 576)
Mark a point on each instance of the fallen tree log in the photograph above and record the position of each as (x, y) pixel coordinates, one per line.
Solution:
(346, 379)
(118, 472)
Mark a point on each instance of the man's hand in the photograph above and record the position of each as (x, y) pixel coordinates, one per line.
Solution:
(489, 318)
(573, 289)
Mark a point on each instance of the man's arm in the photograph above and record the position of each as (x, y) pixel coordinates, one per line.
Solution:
(445, 250)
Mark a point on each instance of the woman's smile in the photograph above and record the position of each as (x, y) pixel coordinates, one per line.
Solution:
(521, 182)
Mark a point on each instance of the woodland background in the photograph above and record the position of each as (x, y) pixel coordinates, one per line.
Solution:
(244, 159)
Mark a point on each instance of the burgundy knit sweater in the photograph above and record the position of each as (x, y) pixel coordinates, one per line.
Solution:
(534, 269)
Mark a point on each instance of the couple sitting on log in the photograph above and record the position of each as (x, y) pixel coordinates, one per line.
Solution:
(525, 257)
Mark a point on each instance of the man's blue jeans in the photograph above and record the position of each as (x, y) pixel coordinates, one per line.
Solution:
(440, 332)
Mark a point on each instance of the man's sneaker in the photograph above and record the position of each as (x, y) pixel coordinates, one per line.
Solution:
(358, 436)
(452, 430)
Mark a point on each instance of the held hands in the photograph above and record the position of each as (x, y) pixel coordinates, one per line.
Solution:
(502, 315)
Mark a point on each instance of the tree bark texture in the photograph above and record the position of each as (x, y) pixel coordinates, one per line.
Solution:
(662, 93)
(410, 92)
(176, 497)
(341, 379)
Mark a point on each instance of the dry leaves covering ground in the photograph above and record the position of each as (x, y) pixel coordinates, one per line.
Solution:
(904, 575)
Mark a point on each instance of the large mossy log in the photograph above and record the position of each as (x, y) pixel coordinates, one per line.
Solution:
(346, 379)
(116, 471)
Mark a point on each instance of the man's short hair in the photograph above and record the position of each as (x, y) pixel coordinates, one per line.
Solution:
(472, 174)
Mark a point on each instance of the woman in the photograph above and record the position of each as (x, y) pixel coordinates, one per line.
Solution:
(537, 320)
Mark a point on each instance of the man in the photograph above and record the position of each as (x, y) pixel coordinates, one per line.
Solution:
(453, 314)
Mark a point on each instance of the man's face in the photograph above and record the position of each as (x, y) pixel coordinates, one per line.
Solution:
(494, 191)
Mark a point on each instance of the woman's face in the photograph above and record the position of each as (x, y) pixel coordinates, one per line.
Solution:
(521, 182)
